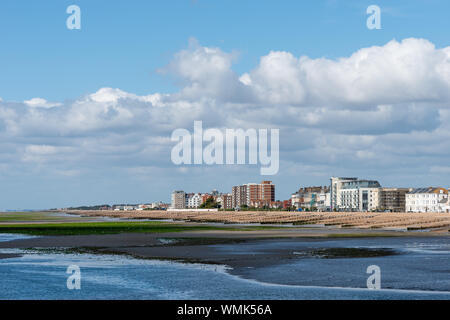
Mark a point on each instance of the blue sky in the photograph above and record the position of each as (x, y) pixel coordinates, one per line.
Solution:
(348, 101)
(123, 43)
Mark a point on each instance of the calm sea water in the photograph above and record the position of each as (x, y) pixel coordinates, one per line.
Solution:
(420, 263)
(423, 265)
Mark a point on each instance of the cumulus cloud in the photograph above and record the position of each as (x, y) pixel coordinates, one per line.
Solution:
(41, 103)
(206, 72)
(279, 78)
(412, 70)
(379, 109)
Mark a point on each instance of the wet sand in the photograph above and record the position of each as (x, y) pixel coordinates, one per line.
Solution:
(9, 255)
(196, 246)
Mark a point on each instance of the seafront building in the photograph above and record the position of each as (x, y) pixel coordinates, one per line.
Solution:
(193, 200)
(125, 207)
(284, 204)
(393, 199)
(428, 200)
(225, 200)
(359, 199)
(256, 195)
(253, 195)
(312, 198)
(352, 194)
(178, 200)
(239, 196)
(183, 200)
(260, 195)
(335, 191)
(345, 194)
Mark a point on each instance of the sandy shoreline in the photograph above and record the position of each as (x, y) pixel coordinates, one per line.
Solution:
(360, 220)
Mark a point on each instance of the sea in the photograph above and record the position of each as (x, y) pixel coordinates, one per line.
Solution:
(419, 270)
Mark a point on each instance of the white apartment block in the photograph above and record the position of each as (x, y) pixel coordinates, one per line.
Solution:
(193, 201)
(428, 200)
(352, 194)
(335, 191)
(362, 199)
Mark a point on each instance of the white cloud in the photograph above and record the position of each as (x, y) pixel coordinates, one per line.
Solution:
(412, 70)
(278, 79)
(41, 103)
(205, 73)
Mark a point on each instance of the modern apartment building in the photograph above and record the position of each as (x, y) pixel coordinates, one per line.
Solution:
(178, 200)
(335, 188)
(427, 200)
(359, 199)
(352, 194)
(239, 196)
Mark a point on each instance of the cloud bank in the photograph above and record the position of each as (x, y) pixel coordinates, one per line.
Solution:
(383, 111)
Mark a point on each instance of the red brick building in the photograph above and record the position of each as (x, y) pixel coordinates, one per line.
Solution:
(254, 195)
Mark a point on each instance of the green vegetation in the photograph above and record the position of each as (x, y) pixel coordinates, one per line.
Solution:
(210, 203)
(29, 217)
(86, 228)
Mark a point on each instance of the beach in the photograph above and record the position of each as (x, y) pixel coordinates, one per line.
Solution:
(194, 238)
(199, 245)
(361, 220)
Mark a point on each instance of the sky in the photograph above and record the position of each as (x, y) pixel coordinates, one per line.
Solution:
(86, 116)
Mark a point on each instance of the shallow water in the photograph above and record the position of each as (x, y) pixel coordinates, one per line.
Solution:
(10, 237)
(420, 263)
(43, 276)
